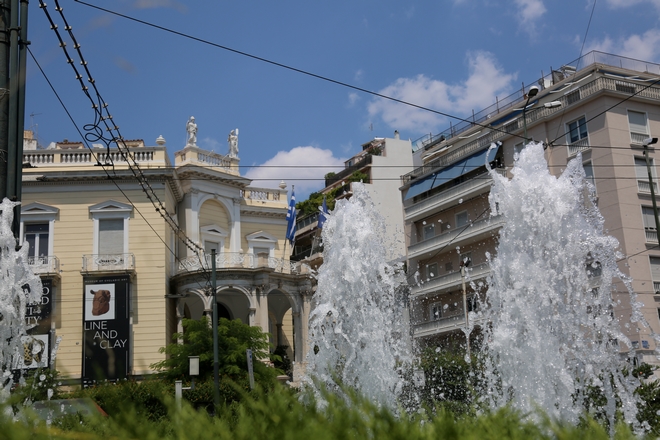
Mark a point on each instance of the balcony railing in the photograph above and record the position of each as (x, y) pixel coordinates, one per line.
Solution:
(597, 85)
(436, 200)
(44, 264)
(656, 286)
(444, 324)
(237, 260)
(568, 70)
(644, 187)
(576, 147)
(42, 158)
(264, 194)
(456, 236)
(651, 236)
(108, 262)
(349, 170)
(638, 138)
(450, 280)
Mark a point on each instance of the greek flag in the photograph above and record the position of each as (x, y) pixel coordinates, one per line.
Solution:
(291, 218)
(322, 214)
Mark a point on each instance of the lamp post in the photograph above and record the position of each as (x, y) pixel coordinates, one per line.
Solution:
(647, 142)
(533, 91)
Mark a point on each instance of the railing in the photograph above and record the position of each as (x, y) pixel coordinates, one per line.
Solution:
(307, 220)
(456, 236)
(214, 159)
(445, 323)
(656, 286)
(109, 262)
(532, 115)
(237, 260)
(481, 181)
(576, 147)
(450, 280)
(85, 157)
(44, 264)
(555, 76)
(644, 187)
(349, 170)
(638, 138)
(651, 236)
(263, 194)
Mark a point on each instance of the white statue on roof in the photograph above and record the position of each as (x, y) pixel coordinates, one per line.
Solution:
(233, 143)
(191, 128)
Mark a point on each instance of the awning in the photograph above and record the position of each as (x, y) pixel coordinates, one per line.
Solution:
(451, 172)
(420, 186)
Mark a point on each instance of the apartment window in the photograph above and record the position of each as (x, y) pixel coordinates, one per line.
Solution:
(517, 148)
(210, 246)
(461, 219)
(638, 127)
(648, 218)
(110, 227)
(449, 267)
(466, 258)
(36, 234)
(431, 270)
(435, 311)
(642, 174)
(589, 172)
(655, 273)
(429, 231)
(577, 136)
(37, 224)
(111, 236)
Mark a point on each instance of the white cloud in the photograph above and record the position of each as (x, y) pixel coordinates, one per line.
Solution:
(629, 3)
(211, 144)
(530, 10)
(486, 81)
(352, 99)
(645, 47)
(359, 75)
(304, 167)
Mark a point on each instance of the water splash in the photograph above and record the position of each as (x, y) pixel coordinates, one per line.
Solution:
(553, 331)
(357, 332)
(19, 286)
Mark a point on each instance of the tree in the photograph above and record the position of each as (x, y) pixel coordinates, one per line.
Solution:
(234, 338)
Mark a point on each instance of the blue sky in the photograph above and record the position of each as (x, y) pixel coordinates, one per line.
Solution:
(451, 56)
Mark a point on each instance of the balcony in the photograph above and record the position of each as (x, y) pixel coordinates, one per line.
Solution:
(450, 281)
(258, 196)
(237, 260)
(445, 324)
(576, 147)
(479, 229)
(349, 170)
(638, 138)
(651, 236)
(85, 157)
(108, 262)
(44, 264)
(477, 185)
(644, 187)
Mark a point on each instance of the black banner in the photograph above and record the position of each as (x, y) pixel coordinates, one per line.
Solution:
(106, 328)
(37, 345)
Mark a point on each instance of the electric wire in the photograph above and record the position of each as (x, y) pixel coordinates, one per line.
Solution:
(103, 167)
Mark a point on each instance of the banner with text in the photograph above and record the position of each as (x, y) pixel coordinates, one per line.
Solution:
(106, 328)
(37, 344)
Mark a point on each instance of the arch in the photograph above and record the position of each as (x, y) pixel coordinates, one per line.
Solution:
(215, 221)
(282, 306)
(236, 301)
(221, 200)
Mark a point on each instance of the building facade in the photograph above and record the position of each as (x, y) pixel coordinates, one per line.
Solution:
(123, 241)
(604, 109)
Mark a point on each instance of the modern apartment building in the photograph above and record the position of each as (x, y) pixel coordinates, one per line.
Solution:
(379, 166)
(125, 255)
(601, 105)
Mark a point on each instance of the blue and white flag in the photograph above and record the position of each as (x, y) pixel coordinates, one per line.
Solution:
(291, 218)
(322, 214)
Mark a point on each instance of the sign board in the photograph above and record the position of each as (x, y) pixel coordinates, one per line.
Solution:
(106, 328)
(37, 344)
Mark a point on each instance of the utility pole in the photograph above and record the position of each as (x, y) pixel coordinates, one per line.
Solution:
(4, 94)
(216, 364)
(647, 142)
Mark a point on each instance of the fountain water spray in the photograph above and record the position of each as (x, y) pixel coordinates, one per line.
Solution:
(358, 336)
(552, 292)
(19, 286)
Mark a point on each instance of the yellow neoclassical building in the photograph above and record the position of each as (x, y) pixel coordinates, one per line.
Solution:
(123, 246)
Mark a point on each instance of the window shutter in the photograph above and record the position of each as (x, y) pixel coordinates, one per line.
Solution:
(637, 122)
(111, 236)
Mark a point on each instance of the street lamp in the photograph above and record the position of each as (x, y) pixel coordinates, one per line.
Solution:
(533, 91)
(647, 142)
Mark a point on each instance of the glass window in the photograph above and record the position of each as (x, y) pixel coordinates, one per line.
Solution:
(429, 231)
(436, 311)
(111, 236)
(431, 270)
(577, 130)
(36, 234)
(649, 218)
(637, 122)
(461, 219)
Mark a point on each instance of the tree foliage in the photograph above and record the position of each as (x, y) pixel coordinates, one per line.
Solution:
(234, 338)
